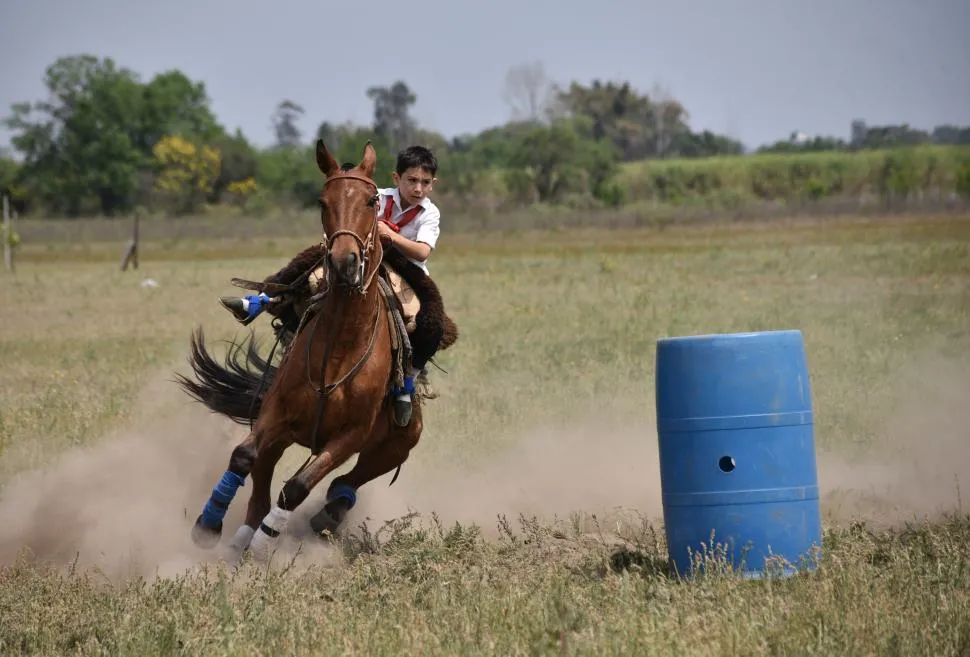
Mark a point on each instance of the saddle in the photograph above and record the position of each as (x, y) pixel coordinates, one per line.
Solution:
(420, 325)
(301, 292)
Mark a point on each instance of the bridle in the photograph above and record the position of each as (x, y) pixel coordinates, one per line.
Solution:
(366, 246)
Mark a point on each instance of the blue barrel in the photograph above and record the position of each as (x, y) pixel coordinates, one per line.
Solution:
(737, 452)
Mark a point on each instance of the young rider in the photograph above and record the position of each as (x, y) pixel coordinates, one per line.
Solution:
(409, 221)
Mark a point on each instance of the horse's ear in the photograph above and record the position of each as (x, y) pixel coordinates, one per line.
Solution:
(325, 160)
(368, 163)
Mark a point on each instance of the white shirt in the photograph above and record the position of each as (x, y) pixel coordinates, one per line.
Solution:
(424, 227)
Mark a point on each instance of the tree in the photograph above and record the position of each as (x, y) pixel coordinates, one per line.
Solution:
(669, 119)
(528, 92)
(86, 148)
(704, 144)
(238, 163)
(617, 112)
(79, 148)
(186, 171)
(563, 156)
(288, 134)
(392, 114)
(175, 105)
(951, 134)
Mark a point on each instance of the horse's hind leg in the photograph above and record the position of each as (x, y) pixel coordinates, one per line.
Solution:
(208, 526)
(296, 490)
(385, 456)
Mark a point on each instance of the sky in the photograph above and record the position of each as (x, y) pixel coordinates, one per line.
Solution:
(755, 70)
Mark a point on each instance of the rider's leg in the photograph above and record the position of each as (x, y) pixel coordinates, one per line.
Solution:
(424, 343)
(246, 309)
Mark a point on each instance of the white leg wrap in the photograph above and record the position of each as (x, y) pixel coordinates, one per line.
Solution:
(242, 538)
(263, 544)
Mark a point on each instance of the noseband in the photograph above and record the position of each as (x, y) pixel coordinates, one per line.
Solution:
(365, 246)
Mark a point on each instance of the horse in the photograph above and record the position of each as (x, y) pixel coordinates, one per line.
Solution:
(330, 391)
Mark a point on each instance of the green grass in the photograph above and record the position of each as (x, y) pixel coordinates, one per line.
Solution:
(930, 171)
(539, 458)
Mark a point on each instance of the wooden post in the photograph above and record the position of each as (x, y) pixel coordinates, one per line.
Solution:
(7, 236)
(131, 253)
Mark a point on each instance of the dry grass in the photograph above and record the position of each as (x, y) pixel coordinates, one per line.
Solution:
(546, 420)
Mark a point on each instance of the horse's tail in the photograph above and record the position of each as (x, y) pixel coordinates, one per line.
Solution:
(234, 389)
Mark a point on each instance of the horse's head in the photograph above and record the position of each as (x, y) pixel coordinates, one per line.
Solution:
(348, 212)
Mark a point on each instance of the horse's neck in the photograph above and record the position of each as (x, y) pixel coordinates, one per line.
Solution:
(352, 309)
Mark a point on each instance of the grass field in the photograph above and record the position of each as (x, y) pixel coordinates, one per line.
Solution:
(535, 487)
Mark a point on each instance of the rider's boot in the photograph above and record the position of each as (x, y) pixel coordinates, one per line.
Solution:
(246, 309)
(402, 401)
(423, 385)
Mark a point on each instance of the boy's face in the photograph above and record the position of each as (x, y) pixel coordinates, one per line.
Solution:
(414, 184)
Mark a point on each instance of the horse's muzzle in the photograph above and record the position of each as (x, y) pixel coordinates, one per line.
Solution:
(348, 267)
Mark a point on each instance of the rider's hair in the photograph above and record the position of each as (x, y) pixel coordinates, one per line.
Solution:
(416, 156)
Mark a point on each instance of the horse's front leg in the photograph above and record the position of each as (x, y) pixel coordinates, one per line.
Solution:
(295, 491)
(259, 500)
(208, 526)
(389, 451)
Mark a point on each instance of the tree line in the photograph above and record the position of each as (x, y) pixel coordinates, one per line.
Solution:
(106, 142)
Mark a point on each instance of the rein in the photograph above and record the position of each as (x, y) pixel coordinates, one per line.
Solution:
(367, 247)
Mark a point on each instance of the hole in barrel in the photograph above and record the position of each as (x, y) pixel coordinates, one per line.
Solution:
(726, 463)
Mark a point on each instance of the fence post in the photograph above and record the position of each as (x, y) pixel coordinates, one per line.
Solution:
(131, 253)
(7, 236)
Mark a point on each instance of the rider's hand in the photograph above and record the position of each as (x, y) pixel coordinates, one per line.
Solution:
(385, 232)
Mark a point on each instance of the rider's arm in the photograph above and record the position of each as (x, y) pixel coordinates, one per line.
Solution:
(426, 238)
(410, 248)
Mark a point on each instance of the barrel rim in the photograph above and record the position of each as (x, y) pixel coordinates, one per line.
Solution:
(747, 335)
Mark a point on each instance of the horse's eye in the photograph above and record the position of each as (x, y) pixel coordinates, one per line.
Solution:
(373, 201)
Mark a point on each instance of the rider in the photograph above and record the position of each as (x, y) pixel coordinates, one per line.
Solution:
(410, 222)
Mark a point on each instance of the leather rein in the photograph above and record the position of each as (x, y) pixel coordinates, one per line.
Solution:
(367, 248)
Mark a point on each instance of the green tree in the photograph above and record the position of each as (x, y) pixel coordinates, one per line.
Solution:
(175, 105)
(88, 147)
(564, 157)
(78, 150)
(392, 114)
(705, 144)
(239, 163)
(288, 133)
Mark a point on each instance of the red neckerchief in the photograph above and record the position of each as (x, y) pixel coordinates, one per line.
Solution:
(404, 221)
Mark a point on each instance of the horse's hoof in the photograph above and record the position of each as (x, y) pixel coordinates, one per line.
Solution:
(203, 536)
(331, 516)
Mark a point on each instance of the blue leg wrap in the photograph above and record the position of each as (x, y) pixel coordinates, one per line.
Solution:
(215, 509)
(257, 303)
(343, 491)
(408, 387)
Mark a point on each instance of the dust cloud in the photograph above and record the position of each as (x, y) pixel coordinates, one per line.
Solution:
(125, 505)
(610, 470)
(918, 466)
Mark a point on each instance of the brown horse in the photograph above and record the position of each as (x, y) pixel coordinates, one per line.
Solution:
(330, 392)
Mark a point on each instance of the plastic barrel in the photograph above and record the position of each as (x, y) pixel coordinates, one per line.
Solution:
(737, 453)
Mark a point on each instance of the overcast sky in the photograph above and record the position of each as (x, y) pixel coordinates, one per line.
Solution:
(754, 69)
